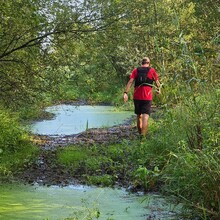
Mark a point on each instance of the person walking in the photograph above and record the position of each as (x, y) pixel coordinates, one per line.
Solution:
(143, 77)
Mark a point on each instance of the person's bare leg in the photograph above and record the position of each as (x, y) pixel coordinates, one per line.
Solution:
(144, 124)
(139, 123)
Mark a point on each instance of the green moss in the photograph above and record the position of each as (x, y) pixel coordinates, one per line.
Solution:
(104, 180)
(72, 156)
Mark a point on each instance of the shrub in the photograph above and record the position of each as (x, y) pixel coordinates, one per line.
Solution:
(12, 136)
(15, 146)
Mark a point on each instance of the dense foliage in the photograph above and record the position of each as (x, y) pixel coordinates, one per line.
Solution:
(180, 157)
(94, 45)
(69, 50)
(15, 145)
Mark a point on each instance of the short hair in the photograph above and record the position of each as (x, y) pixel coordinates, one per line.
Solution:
(145, 60)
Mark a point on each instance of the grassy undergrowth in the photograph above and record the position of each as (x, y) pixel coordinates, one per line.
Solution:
(179, 157)
(15, 146)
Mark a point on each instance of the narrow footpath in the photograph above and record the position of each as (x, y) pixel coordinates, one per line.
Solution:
(45, 171)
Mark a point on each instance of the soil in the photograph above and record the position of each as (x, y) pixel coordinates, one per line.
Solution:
(45, 171)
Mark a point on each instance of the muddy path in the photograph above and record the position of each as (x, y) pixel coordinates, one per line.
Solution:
(45, 170)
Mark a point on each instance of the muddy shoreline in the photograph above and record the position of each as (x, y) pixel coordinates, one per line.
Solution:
(45, 171)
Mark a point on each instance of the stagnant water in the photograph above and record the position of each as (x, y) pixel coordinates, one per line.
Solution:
(25, 202)
(71, 119)
(30, 202)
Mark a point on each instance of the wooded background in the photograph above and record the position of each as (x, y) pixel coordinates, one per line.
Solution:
(90, 47)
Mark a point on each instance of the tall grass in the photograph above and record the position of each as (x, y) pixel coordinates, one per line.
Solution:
(189, 138)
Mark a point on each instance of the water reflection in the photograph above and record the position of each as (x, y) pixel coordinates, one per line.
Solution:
(72, 120)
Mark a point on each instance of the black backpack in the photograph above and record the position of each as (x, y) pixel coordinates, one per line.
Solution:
(142, 79)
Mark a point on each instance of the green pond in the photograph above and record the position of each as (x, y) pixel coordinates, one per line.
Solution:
(70, 119)
(80, 202)
(30, 202)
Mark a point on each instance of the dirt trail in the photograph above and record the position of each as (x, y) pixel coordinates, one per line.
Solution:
(46, 172)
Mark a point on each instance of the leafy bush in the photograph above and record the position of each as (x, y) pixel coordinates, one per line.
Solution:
(15, 146)
(12, 137)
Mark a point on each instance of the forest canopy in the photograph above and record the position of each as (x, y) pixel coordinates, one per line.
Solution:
(46, 43)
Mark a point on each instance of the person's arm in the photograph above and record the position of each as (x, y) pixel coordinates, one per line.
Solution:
(129, 84)
(156, 79)
(158, 87)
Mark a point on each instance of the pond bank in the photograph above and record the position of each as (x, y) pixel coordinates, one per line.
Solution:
(61, 182)
(46, 171)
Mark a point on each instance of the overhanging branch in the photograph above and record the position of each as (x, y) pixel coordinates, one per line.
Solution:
(38, 40)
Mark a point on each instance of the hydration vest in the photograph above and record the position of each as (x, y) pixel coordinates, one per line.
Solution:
(142, 78)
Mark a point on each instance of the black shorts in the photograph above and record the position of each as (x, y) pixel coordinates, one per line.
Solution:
(142, 106)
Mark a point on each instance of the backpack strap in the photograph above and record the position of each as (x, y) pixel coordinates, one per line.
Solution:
(142, 79)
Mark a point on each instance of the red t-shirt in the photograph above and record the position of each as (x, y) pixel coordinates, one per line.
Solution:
(144, 92)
